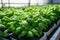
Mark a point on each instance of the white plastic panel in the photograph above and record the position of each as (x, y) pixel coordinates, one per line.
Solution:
(24, 2)
(5, 1)
(19, 1)
(41, 2)
(18, 5)
(33, 2)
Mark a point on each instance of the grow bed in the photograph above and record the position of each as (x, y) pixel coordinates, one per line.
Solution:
(27, 22)
(52, 32)
(56, 35)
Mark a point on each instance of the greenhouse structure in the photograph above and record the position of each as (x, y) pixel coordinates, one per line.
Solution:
(29, 19)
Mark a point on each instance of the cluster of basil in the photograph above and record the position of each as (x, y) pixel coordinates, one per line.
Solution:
(27, 21)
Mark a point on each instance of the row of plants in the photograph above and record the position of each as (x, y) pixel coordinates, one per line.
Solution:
(27, 21)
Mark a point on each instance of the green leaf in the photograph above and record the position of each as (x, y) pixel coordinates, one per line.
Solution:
(30, 34)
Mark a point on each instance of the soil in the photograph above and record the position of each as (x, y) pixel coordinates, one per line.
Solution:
(2, 29)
